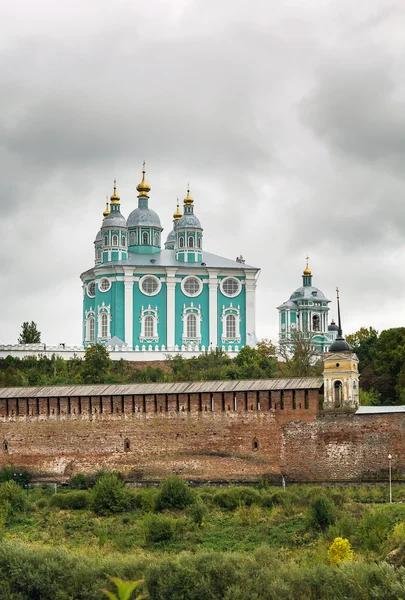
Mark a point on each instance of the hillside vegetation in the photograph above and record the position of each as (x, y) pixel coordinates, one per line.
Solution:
(202, 544)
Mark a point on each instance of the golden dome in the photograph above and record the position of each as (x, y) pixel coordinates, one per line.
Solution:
(107, 210)
(143, 187)
(307, 270)
(188, 199)
(115, 198)
(177, 215)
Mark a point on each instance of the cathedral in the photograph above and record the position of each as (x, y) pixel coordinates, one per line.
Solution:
(306, 311)
(140, 295)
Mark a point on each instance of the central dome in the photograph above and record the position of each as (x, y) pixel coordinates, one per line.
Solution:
(143, 216)
(308, 292)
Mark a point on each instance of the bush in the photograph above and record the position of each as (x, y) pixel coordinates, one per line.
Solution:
(18, 474)
(174, 494)
(158, 529)
(110, 495)
(198, 512)
(13, 496)
(235, 497)
(340, 551)
(280, 498)
(71, 500)
(321, 513)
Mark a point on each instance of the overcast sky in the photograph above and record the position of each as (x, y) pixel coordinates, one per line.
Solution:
(287, 117)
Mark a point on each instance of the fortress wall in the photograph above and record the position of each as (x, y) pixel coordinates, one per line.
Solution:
(222, 435)
(218, 436)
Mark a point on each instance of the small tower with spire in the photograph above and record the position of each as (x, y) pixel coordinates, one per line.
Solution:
(307, 274)
(114, 230)
(171, 238)
(341, 373)
(188, 233)
(143, 223)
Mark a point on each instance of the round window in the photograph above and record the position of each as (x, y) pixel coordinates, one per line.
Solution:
(91, 289)
(104, 285)
(191, 286)
(150, 285)
(230, 287)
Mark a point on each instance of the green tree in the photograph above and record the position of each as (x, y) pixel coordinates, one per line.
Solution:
(96, 365)
(110, 495)
(300, 358)
(29, 334)
(175, 494)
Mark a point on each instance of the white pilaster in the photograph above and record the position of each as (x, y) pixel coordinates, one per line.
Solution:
(213, 306)
(251, 307)
(128, 306)
(170, 307)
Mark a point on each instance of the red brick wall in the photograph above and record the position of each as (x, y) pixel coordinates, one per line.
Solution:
(266, 434)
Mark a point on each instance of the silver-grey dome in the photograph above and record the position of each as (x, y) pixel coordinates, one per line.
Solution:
(308, 292)
(114, 219)
(189, 221)
(143, 216)
(171, 238)
(99, 237)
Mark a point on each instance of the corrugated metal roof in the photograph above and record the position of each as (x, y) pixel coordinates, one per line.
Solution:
(376, 410)
(185, 387)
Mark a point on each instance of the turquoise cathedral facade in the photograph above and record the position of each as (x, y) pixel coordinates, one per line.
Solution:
(140, 295)
(306, 312)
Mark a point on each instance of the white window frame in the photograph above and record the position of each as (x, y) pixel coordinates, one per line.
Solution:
(147, 238)
(88, 289)
(103, 310)
(133, 238)
(123, 241)
(159, 287)
(106, 240)
(183, 283)
(181, 241)
(187, 311)
(114, 240)
(235, 311)
(156, 239)
(190, 239)
(221, 285)
(99, 254)
(89, 314)
(149, 312)
(100, 284)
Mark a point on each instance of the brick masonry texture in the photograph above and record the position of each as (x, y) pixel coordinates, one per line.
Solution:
(212, 437)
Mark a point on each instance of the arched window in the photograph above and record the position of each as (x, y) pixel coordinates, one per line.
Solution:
(156, 239)
(199, 242)
(145, 238)
(104, 325)
(191, 326)
(315, 323)
(124, 240)
(149, 326)
(230, 326)
(133, 238)
(106, 240)
(99, 254)
(191, 242)
(338, 393)
(91, 329)
(181, 242)
(115, 240)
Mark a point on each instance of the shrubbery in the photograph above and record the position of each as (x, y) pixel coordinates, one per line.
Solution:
(321, 513)
(233, 498)
(159, 528)
(110, 495)
(13, 497)
(174, 494)
(71, 500)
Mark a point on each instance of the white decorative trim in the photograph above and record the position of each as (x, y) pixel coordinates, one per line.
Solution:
(100, 284)
(233, 279)
(159, 287)
(128, 307)
(226, 312)
(149, 312)
(183, 283)
(187, 312)
(90, 314)
(213, 306)
(104, 310)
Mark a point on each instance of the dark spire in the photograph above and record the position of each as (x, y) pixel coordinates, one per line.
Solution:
(340, 344)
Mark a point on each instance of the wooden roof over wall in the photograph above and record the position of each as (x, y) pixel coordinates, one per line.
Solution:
(184, 387)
